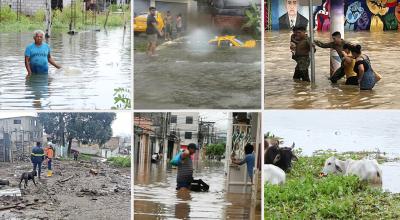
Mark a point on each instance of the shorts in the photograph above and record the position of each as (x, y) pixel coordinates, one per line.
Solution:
(178, 29)
(152, 38)
(168, 29)
(182, 185)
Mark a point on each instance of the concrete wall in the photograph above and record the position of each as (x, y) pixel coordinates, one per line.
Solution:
(182, 127)
(30, 128)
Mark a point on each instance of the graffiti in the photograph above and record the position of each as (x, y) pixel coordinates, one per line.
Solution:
(397, 14)
(363, 22)
(353, 13)
(322, 21)
(360, 15)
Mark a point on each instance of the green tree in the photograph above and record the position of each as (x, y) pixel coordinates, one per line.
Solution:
(91, 128)
(215, 150)
(253, 20)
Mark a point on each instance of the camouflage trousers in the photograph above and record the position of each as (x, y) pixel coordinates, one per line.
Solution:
(301, 70)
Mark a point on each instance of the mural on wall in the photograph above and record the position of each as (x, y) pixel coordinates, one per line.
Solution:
(291, 14)
(321, 15)
(360, 15)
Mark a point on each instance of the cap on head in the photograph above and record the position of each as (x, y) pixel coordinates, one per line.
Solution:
(192, 146)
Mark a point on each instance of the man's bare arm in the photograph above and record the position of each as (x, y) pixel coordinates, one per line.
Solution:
(52, 62)
(27, 65)
(322, 45)
(155, 26)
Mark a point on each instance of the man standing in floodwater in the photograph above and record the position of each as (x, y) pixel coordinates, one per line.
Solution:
(337, 44)
(152, 32)
(37, 157)
(302, 55)
(184, 178)
(249, 159)
(185, 168)
(38, 57)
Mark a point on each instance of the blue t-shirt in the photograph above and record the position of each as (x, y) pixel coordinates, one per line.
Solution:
(38, 57)
(249, 159)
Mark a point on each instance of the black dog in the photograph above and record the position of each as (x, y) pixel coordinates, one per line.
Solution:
(28, 176)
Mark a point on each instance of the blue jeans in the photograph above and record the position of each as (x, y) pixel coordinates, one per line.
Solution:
(39, 166)
(49, 164)
(182, 185)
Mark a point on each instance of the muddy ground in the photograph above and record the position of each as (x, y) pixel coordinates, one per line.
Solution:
(71, 193)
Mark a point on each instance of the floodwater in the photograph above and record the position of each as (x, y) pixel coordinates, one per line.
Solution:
(282, 92)
(190, 74)
(343, 131)
(157, 198)
(94, 64)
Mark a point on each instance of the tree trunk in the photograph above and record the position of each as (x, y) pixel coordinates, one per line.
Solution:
(69, 146)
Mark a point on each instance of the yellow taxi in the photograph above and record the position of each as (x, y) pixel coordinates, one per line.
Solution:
(231, 41)
(140, 22)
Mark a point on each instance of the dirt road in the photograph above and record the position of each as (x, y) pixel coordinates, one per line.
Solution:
(71, 193)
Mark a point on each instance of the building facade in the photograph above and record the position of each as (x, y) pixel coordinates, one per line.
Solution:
(20, 133)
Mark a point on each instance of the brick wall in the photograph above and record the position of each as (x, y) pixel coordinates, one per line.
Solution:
(28, 7)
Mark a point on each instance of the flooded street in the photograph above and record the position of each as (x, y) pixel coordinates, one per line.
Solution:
(190, 74)
(282, 92)
(342, 131)
(94, 64)
(157, 198)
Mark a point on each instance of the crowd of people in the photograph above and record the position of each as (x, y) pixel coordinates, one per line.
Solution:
(355, 65)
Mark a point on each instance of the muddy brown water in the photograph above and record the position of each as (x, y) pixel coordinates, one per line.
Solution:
(190, 74)
(156, 196)
(94, 64)
(282, 92)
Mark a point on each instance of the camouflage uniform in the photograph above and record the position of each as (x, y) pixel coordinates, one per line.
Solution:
(301, 70)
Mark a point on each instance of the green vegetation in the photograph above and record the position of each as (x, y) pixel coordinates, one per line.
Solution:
(305, 195)
(62, 19)
(215, 150)
(122, 98)
(85, 157)
(120, 161)
(253, 20)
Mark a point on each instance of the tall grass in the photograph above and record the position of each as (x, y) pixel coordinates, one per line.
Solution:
(307, 196)
(61, 19)
(120, 161)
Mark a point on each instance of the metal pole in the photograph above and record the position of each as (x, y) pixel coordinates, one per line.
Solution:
(311, 29)
(337, 21)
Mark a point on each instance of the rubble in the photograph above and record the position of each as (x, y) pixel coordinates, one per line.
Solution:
(71, 193)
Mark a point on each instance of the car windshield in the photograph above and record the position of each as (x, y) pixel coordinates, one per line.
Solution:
(240, 42)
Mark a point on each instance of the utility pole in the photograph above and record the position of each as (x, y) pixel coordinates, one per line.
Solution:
(337, 21)
(48, 19)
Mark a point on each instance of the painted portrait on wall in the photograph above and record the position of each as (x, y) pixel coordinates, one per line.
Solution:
(292, 15)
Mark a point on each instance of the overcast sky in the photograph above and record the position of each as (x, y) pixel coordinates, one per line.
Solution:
(220, 119)
(121, 126)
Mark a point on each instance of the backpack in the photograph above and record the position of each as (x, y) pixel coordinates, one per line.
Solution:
(368, 79)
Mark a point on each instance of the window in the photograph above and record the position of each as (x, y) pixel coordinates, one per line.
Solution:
(189, 120)
(188, 135)
(17, 121)
(173, 119)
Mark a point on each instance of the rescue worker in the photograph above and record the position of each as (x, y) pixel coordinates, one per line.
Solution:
(302, 55)
(49, 153)
(37, 157)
